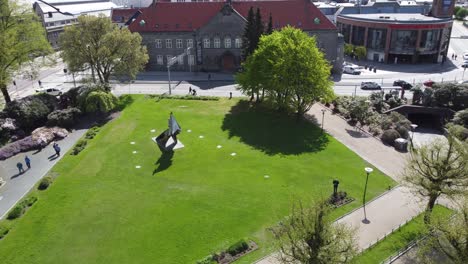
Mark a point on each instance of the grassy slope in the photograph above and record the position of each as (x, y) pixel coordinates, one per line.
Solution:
(393, 243)
(103, 210)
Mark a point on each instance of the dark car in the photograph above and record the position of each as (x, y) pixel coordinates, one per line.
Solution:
(429, 83)
(403, 84)
(370, 86)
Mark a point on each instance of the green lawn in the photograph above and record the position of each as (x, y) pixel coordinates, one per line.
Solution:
(389, 246)
(180, 208)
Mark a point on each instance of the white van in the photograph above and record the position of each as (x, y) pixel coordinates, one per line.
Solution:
(49, 90)
(351, 69)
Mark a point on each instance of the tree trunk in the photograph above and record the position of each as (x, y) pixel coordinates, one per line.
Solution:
(430, 206)
(5, 93)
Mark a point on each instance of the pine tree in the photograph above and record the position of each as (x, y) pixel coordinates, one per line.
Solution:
(270, 26)
(259, 29)
(249, 35)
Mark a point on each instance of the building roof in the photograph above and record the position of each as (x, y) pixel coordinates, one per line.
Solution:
(121, 15)
(189, 16)
(395, 18)
(77, 9)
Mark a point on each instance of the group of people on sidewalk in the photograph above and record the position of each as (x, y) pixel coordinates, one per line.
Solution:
(27, 160)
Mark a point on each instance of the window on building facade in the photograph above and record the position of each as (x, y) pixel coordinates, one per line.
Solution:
(179, 43)
(189, 43)
(429, 40)
(168, 58)
(376, 39)
(159, 59)
(358, 36)
(206, 43)
(238, 43)
(158, 44)
(227, 43)
(403, 40)
(180, 60)
(168, 43)
(191, 59)
(216, 43)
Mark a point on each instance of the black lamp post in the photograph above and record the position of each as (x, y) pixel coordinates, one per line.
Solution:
(368, 171)
(323, 117)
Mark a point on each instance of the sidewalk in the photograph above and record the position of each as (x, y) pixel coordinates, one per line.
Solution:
(386, 212)
(18, 186)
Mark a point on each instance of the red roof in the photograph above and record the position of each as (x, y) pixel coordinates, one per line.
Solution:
(123, 15)
(189, 16)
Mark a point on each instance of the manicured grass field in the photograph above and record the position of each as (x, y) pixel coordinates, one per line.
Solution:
(413, 230)
(179, 208)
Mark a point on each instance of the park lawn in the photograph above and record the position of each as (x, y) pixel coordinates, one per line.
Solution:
(396, 241)
(180, 208)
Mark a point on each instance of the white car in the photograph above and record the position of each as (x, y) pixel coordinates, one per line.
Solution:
(351, 69)
(52, 91)
(465, 56)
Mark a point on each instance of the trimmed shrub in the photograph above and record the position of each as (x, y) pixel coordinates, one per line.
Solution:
(458, 131)
(16, 212)
(64, 118)
(31, 112)
(44, 183)
(3, 231)
(91, 133)
(79, 146)
(404, 133)
(207, 260)
(28, 202)
(238, 247)
(389, 136)
(375, 130)
(461, 118)
(100, 102)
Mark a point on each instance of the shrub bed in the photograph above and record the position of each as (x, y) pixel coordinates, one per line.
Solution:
(91, 133)
(44, 183)
(64, 118)
(234, 252)
(3, 231)
(79, 146)
(21, 207)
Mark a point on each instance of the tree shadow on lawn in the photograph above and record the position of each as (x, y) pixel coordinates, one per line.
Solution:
(273, 132)
(165, 161)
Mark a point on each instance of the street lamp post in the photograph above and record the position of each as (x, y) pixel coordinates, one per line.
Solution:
(413, 128)
(323, 117)
(171, 62)
(368, 171)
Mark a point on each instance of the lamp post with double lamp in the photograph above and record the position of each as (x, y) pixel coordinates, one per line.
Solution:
(323, 117)
(368, 171)
(413, 128)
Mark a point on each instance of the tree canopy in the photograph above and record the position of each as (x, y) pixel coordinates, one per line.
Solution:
(289, 68)
(22, 39)
(309, 236)
(439, 168)
(98, 44)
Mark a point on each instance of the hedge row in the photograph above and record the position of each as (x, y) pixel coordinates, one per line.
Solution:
(21, 207)
(185, 97)
(82, 143)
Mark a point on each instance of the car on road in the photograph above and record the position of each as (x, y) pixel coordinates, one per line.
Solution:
(49, 90)
(429, 83)
(465, 64)
(465, 56)
(351, 69)
(370, 86)
(403, 84)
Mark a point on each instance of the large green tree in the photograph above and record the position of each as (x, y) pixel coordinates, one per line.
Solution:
(98, 44)
(436, 169)
(22, 39)
(310, 236)
(290, 68)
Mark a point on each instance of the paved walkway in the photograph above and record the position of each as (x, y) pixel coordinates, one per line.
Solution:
(19, 185)
(386, 212)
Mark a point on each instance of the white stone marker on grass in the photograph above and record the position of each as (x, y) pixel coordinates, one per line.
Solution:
(219, 146)
(266, 176)
(233, 154)
(134, 152)
(138, 167)
(153, 130)
(133, 142)
(201, 137)
(189, 130)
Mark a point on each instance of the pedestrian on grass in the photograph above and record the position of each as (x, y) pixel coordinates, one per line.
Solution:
(19, 165)
(28, 162)
(230, 95)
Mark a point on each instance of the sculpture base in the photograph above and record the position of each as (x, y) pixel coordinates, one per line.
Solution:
(169, 143)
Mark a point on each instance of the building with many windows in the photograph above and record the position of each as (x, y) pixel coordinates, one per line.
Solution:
(401, 37)
(54, 22)
(212, 31)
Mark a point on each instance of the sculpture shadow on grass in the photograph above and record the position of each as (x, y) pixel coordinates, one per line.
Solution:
(273, 132)
(164, 161)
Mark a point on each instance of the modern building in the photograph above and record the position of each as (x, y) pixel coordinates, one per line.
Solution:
(213, 31)
(54, 21)
(399, 37)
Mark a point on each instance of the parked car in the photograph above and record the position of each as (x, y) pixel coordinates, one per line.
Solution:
(370, 86)
(429, 83)
(465, 56)
(351, 69)
(465, 64)
(51, 91)
(403, 84)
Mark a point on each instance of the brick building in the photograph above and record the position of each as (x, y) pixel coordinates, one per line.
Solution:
(213, 31)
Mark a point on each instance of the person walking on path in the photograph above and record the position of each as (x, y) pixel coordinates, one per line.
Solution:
(28, 162)
(57, 149)
(19, 165)
(190, 90)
